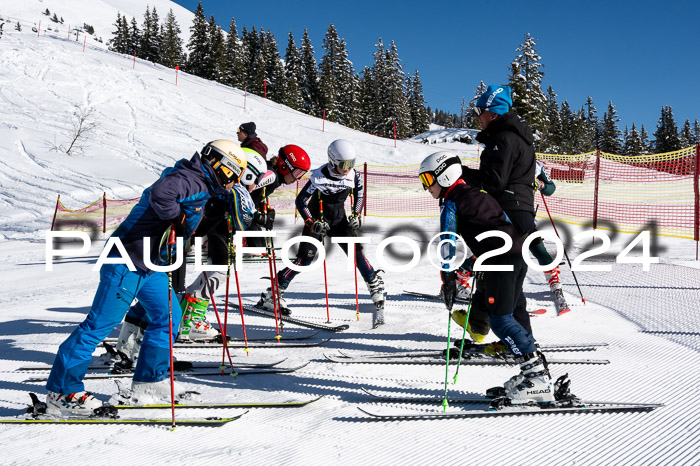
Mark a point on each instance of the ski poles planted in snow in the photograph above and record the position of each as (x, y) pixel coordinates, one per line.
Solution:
(464, 333)
(222, 327)
(325, 273)
(171, 243)
(273, 270)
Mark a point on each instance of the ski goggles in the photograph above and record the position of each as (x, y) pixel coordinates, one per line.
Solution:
(297, 173)
(345, 164)
(479, 110)
(427, 179)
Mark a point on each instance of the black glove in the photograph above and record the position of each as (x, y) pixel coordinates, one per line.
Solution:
(449, 288)
(215, 208)
(354, 222)
(179, 224)
(317, 227)
(265, 220)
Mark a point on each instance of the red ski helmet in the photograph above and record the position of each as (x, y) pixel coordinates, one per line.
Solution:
(293, 159)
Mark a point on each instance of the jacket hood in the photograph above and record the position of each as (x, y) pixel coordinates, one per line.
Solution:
(203, 170)
(508, 122)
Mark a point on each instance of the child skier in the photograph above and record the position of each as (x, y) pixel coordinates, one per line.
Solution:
(332, 183)
(468, 212)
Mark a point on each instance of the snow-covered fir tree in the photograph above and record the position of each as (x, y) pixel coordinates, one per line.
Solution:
(309, 81)
(633, 144)
(648, 146)
(338, 83)
(552, 138)
(257, 61)
(593, 121)
(171, 52)
(120, 37)
(277, 82)
(565, 141)
(420, 121)
(364, 116)
(686, 136)
(610, 133)
(480, 89)
(666, 133)
(529, 101)
(292, 71)
(696, 132)
(150, 45)
(198, 46)
(134, 40)
(217, 58)
(234, 57)
(390, 89)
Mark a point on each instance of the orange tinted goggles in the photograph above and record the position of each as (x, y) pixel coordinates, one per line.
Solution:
(427, 179)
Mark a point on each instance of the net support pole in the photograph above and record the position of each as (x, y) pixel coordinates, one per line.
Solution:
(55, 211)
(104, 213)
(364, 209)
(596, 188)
(696, 187)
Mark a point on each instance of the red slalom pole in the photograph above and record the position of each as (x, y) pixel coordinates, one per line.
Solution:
(171, 243)
(84, 43)
(324, 121)
(38, 31)
(223, 328)
(273, 273)
(134, 66)
(177, 68)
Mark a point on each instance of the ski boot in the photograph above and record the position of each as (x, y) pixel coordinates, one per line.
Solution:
(158, 393)
(460, 317)
(266, 300)
(552, 277)
(375, 285)
(128, 345)
(73, 404)
(194, 325)
(464, 289)
(533, 384)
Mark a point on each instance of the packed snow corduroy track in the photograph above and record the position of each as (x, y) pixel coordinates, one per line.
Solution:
(649, 320)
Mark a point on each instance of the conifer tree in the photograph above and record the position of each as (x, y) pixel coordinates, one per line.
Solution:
(686, 137)
(277, 82)
(633, 144)
(393, 95)
(473, 122)
(552, 140)
(593, 121)
(696, 132)
(172, 53)
(309, 77)
(567, 130)
(526, 84)
(338, 84)
(420, 121)
(610, 133)
(648, 146)
(234, 57)
(216, 64)
(292, 71)
(666, 134)
(18, 27)
(150, 45)
(364, 116)
(117, 43)
(198, 46)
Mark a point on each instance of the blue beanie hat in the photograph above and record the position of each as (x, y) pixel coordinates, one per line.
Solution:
(496, 99)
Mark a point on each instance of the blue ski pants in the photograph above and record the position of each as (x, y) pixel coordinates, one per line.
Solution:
(117, 289)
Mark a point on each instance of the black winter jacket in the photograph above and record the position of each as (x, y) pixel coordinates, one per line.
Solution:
(507, 163)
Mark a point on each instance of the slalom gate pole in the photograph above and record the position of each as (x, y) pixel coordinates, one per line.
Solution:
(464, 333)
(224, 339)
(171, 242)
(325, 273)
(273, 275)
(445, 404)
(354, 251)
(240, 300)
(565, 253)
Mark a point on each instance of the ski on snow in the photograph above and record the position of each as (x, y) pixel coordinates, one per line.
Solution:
(196, 366)
(269, 341)
(293, 320)
(468, 359)
(191, 373)
(283, 404)
(437, 297)
(237, 344)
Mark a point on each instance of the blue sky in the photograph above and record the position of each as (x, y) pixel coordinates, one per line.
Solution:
(639, 54)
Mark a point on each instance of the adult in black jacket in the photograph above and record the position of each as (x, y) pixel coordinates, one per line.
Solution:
(249, 138)
(506, 168)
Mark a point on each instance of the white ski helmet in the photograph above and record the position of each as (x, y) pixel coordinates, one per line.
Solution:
(256, 168)
(226, 158)
(443, 168)
(341, 154)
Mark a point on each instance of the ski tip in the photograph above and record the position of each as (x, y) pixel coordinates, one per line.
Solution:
(563, 311)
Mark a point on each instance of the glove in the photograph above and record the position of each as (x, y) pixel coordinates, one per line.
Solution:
(539, 186)
(317, 227)
(354, 222)
(265, 220)
(448, 291)
(179, 224)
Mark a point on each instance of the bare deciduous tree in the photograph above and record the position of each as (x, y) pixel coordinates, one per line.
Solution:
(83, 126)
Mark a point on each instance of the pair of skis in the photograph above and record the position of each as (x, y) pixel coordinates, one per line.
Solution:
(437, 297)
(36, 413)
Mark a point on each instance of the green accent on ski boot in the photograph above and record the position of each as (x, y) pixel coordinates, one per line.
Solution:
(193, 309)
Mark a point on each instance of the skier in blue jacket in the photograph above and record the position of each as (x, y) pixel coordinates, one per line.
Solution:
(175, 201)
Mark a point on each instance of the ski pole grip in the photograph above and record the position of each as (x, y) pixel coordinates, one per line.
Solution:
(171, 237)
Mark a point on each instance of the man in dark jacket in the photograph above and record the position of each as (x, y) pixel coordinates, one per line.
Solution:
(506, 169)
(249, 138)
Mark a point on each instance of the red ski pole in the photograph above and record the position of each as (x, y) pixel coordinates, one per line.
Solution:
(171, 242)
(223, 334)
(273, 274)
(325, 273)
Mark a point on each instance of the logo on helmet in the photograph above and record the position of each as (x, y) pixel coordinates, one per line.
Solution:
(440, 168)
(291, 156)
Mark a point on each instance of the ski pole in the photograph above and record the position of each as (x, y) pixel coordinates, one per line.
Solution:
(464, 333)
(354, 251)
(273, 276)
(218, 320)
(445, 404)
(325, 273)
(171, 242)
(240, 301)
(565, 254)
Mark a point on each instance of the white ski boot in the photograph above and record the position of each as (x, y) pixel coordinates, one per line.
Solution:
(159, 393)
(533, 384)
(375, 285)
(128, 345)
(464, 288)
(267, 303)
(74, 404)
(552, 277)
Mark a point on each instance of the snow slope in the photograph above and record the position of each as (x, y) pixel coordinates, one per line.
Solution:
(145, 123)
